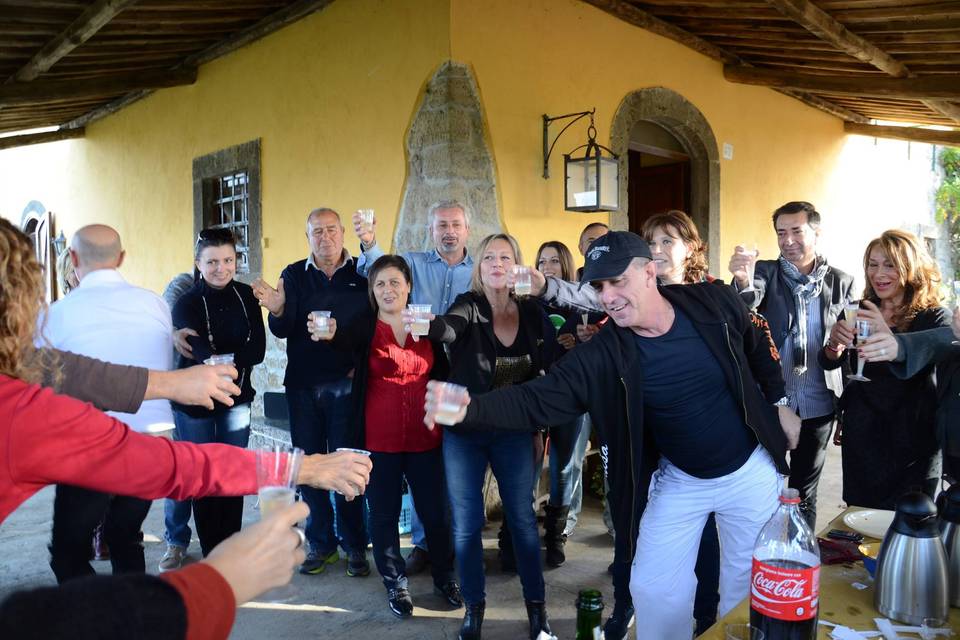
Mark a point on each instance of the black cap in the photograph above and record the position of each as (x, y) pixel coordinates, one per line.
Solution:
(609, 255)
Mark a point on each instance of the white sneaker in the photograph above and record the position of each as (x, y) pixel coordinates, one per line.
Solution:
(173, 558)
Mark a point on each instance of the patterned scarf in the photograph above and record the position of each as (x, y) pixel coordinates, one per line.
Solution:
(804, 288)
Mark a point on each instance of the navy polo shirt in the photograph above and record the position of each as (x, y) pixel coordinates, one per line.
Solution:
(307, 289)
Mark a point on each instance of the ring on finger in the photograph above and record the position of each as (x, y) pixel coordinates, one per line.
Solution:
(302, 537)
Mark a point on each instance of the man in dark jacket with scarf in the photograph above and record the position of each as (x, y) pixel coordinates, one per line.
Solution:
(801, 297)
(683, 386)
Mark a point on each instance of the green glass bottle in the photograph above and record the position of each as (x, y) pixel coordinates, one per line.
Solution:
(589, 615)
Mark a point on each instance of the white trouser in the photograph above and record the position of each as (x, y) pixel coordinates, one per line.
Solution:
(662, 581)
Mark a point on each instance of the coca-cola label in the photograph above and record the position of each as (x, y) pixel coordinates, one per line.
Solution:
(785, 593)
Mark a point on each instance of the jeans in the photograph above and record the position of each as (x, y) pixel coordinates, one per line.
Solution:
(216, 518)
(319, 420)
(806, 463)
(510, 455)
(662, 580)
(424, 472)
(76, 513)
(568, 446)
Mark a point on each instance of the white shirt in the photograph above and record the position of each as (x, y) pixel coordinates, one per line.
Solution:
(110, 319)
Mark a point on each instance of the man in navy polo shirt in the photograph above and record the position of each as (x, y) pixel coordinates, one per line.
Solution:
(317, 378)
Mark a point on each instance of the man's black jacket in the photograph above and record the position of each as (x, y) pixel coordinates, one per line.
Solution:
(603, 377)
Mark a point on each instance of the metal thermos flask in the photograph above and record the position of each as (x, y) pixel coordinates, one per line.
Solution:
(950, 534)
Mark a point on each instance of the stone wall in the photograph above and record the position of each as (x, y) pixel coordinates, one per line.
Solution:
(448, 159)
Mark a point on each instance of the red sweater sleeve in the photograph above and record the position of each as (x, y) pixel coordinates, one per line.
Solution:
(208, 599)
(47, 439)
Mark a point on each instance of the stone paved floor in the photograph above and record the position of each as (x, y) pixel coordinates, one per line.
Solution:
(336, 606)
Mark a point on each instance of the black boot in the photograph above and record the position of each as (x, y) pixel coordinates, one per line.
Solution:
(554, 522)
(537, 615)
(508, 561)
(472, 621)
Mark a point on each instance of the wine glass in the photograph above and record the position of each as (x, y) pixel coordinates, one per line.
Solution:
(864, 329)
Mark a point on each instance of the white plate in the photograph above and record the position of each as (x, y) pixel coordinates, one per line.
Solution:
(869, 522)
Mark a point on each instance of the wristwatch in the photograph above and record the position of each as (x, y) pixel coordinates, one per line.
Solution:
(782, 402)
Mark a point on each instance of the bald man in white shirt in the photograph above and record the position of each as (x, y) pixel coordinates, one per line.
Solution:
(110, 319)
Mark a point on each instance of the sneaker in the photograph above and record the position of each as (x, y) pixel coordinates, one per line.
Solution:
(357, 564)
(173, 558)
(317, 562)
(417, 561)
(449, 592)
(401, 605)
(618, 623)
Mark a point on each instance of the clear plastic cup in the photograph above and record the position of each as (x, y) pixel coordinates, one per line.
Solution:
(363, 452)
(277, 469)
(366, 219)
(322, 321)
(522, 282)
(221, 358)
(451, 399)
(421, 319)
(743, 632)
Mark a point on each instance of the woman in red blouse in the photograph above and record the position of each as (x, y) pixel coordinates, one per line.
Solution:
(389, 383)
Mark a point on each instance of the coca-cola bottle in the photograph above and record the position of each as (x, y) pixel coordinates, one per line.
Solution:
(785, 581)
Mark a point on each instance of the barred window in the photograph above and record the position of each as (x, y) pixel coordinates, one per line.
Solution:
(226, 194)
(229, 209)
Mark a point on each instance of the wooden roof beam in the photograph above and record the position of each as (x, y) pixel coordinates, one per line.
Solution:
(80, 30)
(39, 138)
(824, 26)
(911, 134)
(53, 90)
(944, 86)
(637, 17)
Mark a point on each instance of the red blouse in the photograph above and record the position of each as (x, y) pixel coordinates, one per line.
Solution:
(396, 386)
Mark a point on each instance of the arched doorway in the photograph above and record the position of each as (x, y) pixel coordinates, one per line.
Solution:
(660, 127)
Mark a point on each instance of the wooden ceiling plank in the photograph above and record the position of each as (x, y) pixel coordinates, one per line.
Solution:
(41, 91)
(87, 24)
(937, 87)
(824, 26)
(913, 134)
(637, 17)
(941, 10)
(39, 138)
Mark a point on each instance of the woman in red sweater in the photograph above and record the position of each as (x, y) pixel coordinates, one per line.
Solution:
(389, 382)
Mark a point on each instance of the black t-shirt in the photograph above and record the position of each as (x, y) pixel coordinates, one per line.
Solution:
(688, 406)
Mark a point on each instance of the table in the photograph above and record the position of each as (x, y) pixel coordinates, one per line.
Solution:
(840, 602)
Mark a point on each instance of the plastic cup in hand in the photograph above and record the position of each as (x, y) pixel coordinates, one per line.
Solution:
(864, 329)
(421, 319)
(363, 452)
(451, 399)
(321, 320)
(366, 219)
(223, 358)
(522, 283)
(277, 469)
(586, 318)
(743, 632)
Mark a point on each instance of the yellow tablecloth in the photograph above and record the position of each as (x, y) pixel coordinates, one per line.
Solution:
(840, 601)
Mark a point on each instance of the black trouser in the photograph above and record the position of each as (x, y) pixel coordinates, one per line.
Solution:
(806, 463)
(424, 473)
(77, 512)
(217, 519)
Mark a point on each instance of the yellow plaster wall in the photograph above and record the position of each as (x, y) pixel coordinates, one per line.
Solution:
(533, 57)
(332, 97)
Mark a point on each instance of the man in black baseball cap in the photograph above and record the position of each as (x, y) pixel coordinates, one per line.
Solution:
(684, 386)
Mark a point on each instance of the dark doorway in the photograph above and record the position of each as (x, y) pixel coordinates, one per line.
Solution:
(659, 173)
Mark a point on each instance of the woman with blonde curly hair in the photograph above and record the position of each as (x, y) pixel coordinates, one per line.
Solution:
(680, 253)
(888, 424)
